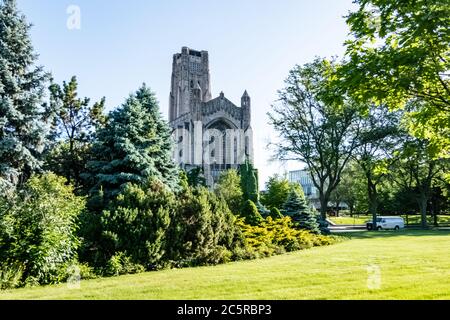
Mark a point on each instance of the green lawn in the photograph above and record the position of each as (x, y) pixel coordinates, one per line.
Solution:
(412, 219)
(412, 264)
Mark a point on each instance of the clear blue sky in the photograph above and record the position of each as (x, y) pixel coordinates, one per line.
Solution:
(252, 45)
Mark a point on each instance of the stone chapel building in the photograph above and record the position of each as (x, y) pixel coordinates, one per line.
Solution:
(213, 134)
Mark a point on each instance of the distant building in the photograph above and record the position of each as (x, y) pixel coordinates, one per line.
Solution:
(303, 177)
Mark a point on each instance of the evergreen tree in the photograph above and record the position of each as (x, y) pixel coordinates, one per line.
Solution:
(251, 214)
(196, 177)
(136, 224)
(203, 230)
(134, 145)
(275, 214)
(22, 115)
(73, 131)
(304, 217)
(249, 182)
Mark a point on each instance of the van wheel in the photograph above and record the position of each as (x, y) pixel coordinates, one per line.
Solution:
(379, 228)
(397, 228)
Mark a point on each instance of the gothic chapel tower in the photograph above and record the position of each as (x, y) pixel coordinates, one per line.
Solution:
(213, 134)
(190, 69)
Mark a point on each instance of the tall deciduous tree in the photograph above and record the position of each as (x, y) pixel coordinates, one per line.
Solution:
(73, 130)
(400, 51)
(314, 127)
(416, 172)
(22, 86)
(134, 145)
(352, 188)
(378, 147)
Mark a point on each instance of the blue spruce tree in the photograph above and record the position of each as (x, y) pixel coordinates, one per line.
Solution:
(22, 115)
(134, 145)
(299, 210)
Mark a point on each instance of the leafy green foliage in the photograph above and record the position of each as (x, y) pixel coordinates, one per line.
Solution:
(229, 188)
(10, 275)
(120, 264)
(38, 229)
(398, 53)
(417, 171)
(277, 191)
(316, 125)
(23, 120)
(196, 178)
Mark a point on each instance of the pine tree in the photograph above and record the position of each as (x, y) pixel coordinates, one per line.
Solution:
(134, 145)
(73, 131)
(22, 115)
(196, 177)
(304, 217)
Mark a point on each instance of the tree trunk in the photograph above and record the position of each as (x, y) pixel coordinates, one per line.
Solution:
(323, 206)
(373, 207)
(373, 202)
(434, 214)
(423, 211)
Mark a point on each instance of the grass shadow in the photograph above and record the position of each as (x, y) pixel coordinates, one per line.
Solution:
(392, 233)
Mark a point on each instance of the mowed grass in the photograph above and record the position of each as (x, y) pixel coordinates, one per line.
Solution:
(411, 264)
(413, 219)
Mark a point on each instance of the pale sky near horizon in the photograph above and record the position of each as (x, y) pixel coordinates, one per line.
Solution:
(252, 46)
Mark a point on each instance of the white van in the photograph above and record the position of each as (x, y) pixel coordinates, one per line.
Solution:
(395, 223)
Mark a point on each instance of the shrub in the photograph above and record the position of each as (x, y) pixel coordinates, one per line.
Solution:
(278, 236)
(11, 276)
(229, 188)
(38, 230)
(203, 230)
(276, 214)
(250, 213)
(120, 264)
(135, 225)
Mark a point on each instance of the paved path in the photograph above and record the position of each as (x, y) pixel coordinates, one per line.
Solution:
(347, 228)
